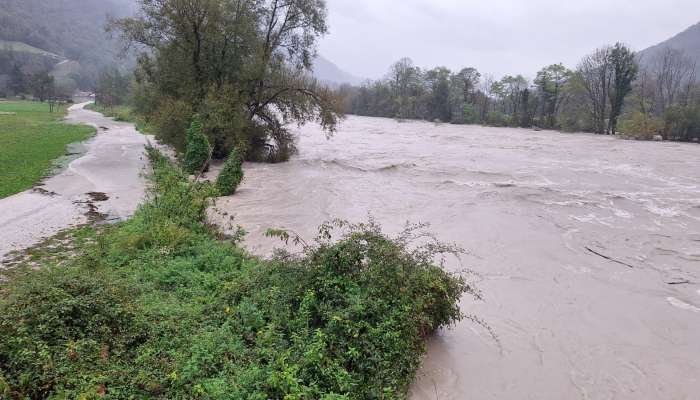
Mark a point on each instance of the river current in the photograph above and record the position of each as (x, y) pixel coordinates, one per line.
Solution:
(586, 248)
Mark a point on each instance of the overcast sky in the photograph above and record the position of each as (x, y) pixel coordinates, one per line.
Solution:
(495, 36)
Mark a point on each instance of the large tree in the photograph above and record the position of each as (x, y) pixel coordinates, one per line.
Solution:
(607, 76)
(550, 83)
(596, 77)
(624, 69)
(244, 65)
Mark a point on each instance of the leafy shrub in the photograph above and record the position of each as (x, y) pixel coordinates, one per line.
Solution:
(170, 122)
(683, 122)
(496, 118)
(68, 326)
(641, 126)
(158, 308)
(198, 151)
(231, 175)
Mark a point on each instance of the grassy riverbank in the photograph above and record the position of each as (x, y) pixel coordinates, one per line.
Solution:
(121, 113)
(163, 307)
(31, 137)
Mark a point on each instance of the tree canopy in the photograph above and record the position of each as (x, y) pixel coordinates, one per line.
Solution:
(243, 65)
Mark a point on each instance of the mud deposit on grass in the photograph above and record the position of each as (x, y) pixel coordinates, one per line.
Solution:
(102, 181)
(588, 248)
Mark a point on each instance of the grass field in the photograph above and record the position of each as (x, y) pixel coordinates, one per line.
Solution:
(30, 139)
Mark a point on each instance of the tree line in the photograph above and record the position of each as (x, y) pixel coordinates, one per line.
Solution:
(612, 90)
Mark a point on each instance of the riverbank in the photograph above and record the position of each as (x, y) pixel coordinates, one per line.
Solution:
(104, 183)
(163, 306)
(32, 139)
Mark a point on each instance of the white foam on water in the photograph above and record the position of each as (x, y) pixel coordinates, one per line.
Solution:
(591, 218)
(660, 211)
(682, 305)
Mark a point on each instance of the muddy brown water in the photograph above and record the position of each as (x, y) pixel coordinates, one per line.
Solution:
(587, 248)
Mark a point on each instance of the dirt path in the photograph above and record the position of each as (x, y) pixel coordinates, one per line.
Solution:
(105, 182)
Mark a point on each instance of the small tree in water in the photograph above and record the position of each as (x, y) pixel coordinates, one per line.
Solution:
(198, 150)
(232, 174)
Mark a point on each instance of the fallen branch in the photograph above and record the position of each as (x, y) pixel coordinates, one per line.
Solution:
(680, 282)
(609, 258)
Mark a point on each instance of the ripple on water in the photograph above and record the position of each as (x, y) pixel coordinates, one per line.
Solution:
(682, 305)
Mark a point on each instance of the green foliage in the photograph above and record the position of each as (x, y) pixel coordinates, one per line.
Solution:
(231, 175)
(198, 152)
(66, 325)
(624, 71)
(244, 67)
(156, 307)
(170, 120)
(31, 137)
(683, 122)
(497, 118)
(640, 126)
(469, 115)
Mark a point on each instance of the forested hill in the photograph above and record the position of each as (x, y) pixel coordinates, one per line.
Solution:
(687, 42)
(73, 29)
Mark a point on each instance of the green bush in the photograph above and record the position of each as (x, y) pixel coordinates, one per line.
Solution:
(158, 308)
(65, 331)
(497, 118)
(198, 152)
(682, 122)
(231, 175)
(170, 121)
(640, 126)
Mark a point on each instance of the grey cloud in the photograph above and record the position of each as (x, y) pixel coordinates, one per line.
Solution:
(496, 36)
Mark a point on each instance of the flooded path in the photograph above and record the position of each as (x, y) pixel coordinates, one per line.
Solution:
(587, 248)
(105, 182)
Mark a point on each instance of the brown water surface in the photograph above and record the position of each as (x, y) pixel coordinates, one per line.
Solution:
(587, 248)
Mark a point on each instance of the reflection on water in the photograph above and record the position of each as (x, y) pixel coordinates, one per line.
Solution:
(587, 248)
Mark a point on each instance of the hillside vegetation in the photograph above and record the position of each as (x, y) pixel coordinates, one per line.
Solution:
(687, 42)
(64, 29)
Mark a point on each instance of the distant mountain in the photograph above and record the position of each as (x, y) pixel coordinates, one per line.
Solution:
(330, 73)
(66, 29)
(687, 41)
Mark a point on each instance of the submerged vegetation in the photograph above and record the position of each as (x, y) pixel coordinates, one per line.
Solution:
(198, 151)
(161, 306)
(31, 138)
(231, 175)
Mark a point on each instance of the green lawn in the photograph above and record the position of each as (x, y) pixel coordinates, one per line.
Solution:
(30, 139)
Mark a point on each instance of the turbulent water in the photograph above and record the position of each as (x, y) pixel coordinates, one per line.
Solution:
(587, 248)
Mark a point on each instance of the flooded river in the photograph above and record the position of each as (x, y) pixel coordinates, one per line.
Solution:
(587, 248)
